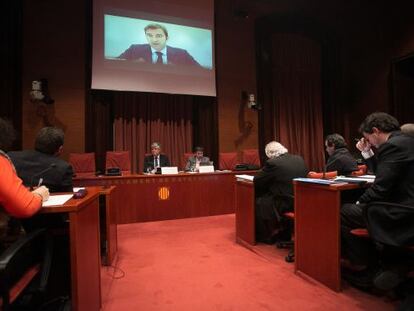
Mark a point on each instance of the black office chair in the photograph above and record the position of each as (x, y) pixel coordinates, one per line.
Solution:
(24, 268)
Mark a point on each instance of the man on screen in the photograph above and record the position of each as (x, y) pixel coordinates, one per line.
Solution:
(157, 51)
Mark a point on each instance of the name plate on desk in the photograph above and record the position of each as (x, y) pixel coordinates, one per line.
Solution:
(169, 170)
(206, 169)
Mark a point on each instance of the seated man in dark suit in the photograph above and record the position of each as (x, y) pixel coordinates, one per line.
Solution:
(274, 189)
(340, 159)
(194, 162)
(43, 166)
(157, 51)
(155, 160)
(393, 165)
(43, 163)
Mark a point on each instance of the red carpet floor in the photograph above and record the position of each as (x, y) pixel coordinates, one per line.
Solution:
(195, 264)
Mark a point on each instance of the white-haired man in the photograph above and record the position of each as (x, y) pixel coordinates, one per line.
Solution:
(274, 190)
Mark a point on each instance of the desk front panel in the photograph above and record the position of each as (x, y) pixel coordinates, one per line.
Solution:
(85, 258)
(317, 229)
(141, 198)
(245, 213)
(317, 234)
(85, 263)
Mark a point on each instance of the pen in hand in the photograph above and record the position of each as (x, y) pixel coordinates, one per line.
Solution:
(40, 182)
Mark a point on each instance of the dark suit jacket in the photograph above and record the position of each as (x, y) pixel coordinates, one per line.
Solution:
(142, 53)
(390, 224)
(149, 162)
(342, 161)
(394, 170)
(29, 163)
(275, 180)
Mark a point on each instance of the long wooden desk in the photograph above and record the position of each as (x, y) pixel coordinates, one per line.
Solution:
(245, 212)
(141, 198)
(85, 260)
(317, 231)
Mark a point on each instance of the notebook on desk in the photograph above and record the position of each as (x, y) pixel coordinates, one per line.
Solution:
(354, 180)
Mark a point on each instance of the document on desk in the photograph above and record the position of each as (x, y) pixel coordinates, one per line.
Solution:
(245, 177)
(355, 180)
(317, 181)
(58, 199)
(371, 177)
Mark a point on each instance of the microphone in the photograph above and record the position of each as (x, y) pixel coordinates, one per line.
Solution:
(324, 165)
(50, 167)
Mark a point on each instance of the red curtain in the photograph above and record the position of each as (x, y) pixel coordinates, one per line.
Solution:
(292, 92)
(142, 118)
(296, 96)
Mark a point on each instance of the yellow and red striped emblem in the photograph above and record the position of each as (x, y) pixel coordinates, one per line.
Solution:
(163, 193)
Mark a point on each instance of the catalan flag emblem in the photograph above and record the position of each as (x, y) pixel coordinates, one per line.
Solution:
(164, 193)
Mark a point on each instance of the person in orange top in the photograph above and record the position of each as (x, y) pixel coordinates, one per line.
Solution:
(15, 199)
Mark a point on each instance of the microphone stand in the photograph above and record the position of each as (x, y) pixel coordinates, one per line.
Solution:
(324, 165)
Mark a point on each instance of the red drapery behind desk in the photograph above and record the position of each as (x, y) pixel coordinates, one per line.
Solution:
(141, 119)
(131, 121)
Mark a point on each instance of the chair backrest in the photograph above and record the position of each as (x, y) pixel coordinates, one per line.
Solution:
(320, 175)
(119, 159)
(227, 160)
(184, 159)
(83, 163)
(251, 156)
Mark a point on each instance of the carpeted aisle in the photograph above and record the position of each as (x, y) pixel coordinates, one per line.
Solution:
(195, 264)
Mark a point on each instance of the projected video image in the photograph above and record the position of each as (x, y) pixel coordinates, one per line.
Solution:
(158, 43)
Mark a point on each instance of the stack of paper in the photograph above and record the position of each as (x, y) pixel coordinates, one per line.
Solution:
(356, 179)
(59, 199)
(316, 181)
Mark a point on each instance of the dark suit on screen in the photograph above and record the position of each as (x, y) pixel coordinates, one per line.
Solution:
(273, 183)
(342, 161)
(29, 163)
(149, 162)
(142, 53)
